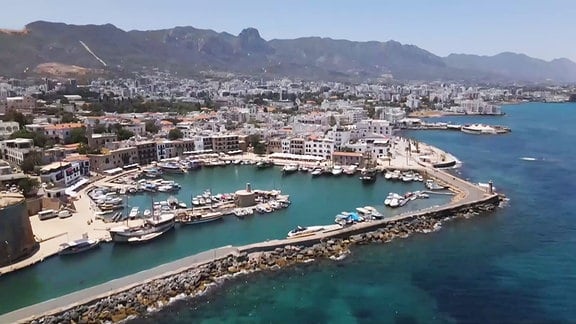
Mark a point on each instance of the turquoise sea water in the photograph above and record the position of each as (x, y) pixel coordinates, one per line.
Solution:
(515, 265)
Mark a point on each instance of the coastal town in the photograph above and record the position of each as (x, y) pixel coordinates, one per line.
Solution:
(65, 142)
(73, 154)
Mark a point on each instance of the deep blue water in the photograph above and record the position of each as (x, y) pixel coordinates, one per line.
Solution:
(514, 265)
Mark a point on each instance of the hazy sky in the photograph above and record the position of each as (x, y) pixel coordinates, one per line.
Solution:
(543, 29)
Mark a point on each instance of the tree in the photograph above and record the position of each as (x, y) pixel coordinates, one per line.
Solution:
(257, 144)
(151, 127)
(331, 120)
(77, 135)
(175, 134)
(39, 138)
(30, 162)
(28, 186)
(12, 115)
(124, 134)
(99, 129)
(68, 117)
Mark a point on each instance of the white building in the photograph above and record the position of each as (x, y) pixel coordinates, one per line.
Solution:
(369, 127)
(391, 114)
(61, 174)
(321, 147)
(8, 127)
(16, 150)
(339, 136)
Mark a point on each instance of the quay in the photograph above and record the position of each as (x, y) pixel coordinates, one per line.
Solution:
(468, 197)
(469, 129)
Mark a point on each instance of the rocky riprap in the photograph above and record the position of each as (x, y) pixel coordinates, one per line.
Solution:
(155, 294)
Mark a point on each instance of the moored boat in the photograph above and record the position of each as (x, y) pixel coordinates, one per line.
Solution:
(199, 219)
(289, 168)
(152, 228)
(368, 176)
(336, 170)
(302, 231)
(77, 246)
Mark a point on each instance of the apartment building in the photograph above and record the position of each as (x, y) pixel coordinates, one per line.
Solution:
(16, 150)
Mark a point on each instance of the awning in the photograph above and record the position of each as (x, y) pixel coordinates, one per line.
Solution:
(70, 190)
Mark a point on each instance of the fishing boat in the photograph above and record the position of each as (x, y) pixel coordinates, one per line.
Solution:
(77, 246)
(152, 228)
(302, 231)
(199, 219)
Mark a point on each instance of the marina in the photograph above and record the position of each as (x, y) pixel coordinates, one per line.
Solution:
(221, 229)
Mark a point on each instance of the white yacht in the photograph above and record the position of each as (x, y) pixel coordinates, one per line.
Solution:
(478, 129)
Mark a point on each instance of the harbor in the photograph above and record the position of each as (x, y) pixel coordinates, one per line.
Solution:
(108, 201)
(268, 177)
(230, 261)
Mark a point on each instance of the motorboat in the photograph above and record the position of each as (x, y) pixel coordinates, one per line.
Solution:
(316, 172)
(432, 185)
(133, 212)
(336, 170)
(388, 175)
(350, 170)
(303, 231)
(263, 164)
(290, 168)
(374, 213)
(171, 167)
(77, 246)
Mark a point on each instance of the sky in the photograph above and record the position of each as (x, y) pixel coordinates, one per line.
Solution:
(542, 29)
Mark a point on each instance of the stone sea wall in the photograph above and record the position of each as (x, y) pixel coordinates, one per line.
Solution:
(155, 294)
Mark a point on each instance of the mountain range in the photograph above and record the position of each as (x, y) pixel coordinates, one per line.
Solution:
(190, 51)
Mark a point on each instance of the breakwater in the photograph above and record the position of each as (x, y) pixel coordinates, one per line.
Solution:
(204, 273)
